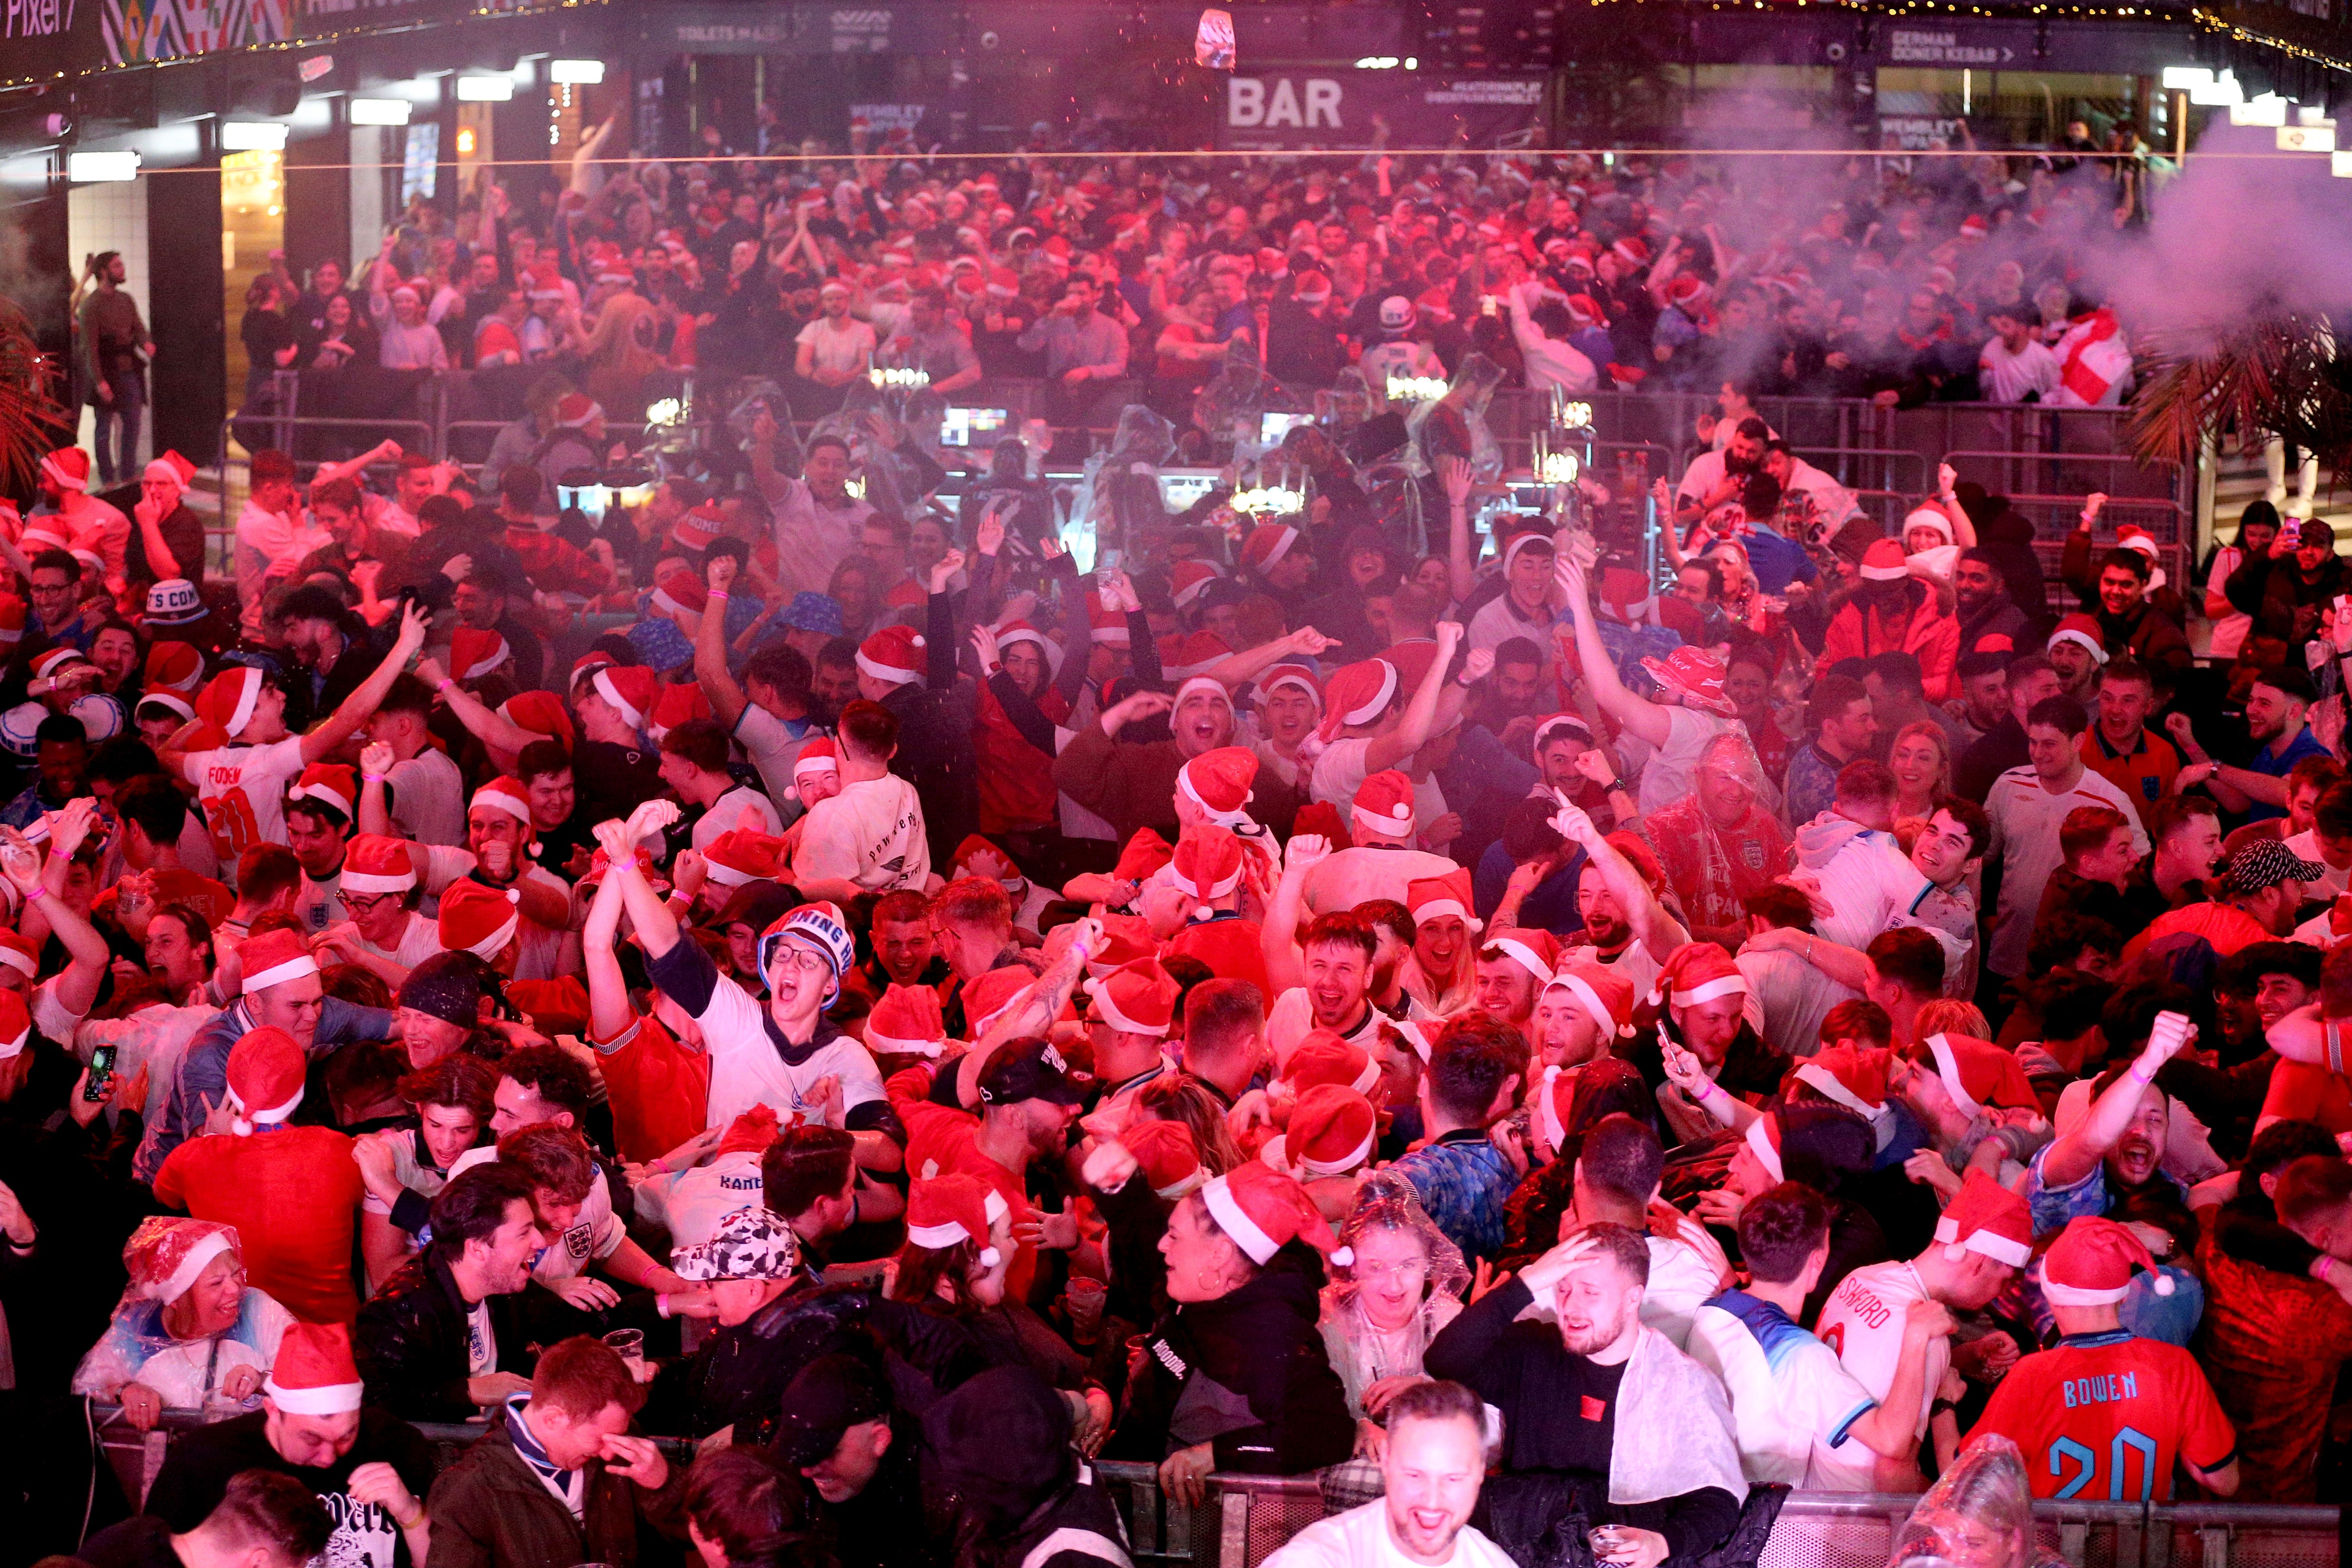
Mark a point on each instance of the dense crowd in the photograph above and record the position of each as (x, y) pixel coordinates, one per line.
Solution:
(818, 955)
(1114, 280)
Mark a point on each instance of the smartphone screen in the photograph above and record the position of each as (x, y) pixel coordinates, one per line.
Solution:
(101, 1074)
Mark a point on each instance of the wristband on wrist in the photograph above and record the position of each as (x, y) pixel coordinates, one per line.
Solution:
(373, 778)
(715, 594)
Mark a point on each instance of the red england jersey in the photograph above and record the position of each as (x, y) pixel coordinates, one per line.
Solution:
(659, 1091)
(2102, 1418)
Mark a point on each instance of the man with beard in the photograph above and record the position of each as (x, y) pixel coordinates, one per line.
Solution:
(1984, 696)
(1714, 478)
(2110, 1160)
(1431, 1467)
(2285, 589)
(2274, 716)
(1990, 621)
(443, 1339)
(1601, 1406)
(1626, 929)
(1027, 1107)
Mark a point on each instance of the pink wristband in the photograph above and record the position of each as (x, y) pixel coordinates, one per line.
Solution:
(444, 684)
(714, 593)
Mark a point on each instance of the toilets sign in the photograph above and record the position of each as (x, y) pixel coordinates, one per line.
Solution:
(1303, 109)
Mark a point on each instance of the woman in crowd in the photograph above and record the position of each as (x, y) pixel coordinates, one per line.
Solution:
(190, 1334)
(1385, 1304)
(1921, 760)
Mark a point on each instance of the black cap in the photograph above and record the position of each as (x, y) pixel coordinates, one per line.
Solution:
(447, 986)
(824, 1399)
(1032, 1071)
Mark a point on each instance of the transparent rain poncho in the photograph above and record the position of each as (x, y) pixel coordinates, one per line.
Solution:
(1978, 1514)
(1362, 1353)
(1118, 497)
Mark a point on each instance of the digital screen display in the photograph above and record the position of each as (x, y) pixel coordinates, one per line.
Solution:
(960, 424)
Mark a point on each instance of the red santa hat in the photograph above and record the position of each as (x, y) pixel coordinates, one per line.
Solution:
(510, 795)
(479, 919)
(1383, 805)
(335, 785)
(1107, 624)
(1187, 580)
(1883, 562)
(1928, 517)
(19, 954)
(170, 468)
(1985, 1216)
(228, 700)
(948, 1210)
(1331, 1133)
(474, 654)
(906, 1021)
(1357, 694)
(2132, 536)
(16, 1022)
(313, 1373)
(541, 713)
(1532, 950)
(266, 1068)
(1606, 996)
(679, 591)
(819, 754)
(1325, 1057)
(173, 667)
(1208, 863)
(1189, 655)
(275, 957)
(1274, 678)
(575, 410)
(1124, 938)
(631, 689)
(894, 654)
(678, 704)
(743, 855)
(46, 666)
(1978, 1073)
(1437, 898)
(1696, 973)
(2083, 631)
(1267, 543)
(1852, 1076)
(1170, 1160)
(1554, 1101)
(1262, 1210)
(1219, 780)
(2091, 1263)
(165, 1256)
(68, 468)
(1145, 853)
(377, 863)
(986, 998)
(1137, 998)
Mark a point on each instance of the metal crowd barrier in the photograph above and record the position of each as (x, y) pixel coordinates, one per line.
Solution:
(1246, 1517)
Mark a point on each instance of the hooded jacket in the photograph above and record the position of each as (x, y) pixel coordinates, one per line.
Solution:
(1246, 1372)
(1924, 628)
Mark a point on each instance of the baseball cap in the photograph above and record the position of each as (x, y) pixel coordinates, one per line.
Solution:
(752, 1243)
(2268, 862)
(1032, 1071)
(825, 1399)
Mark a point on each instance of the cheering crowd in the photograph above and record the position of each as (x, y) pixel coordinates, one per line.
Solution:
(1114, 280)
(792, 962)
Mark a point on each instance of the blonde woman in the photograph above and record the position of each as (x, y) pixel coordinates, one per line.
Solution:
(1921, 762)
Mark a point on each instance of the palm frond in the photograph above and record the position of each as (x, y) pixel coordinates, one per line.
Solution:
(2281, 374)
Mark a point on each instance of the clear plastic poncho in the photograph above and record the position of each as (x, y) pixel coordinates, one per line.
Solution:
(1118, 497)
(1978, 1514)
(1360, 1352)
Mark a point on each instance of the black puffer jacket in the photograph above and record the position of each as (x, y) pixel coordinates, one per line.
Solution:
(1245, 1372)
(410, 1342)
